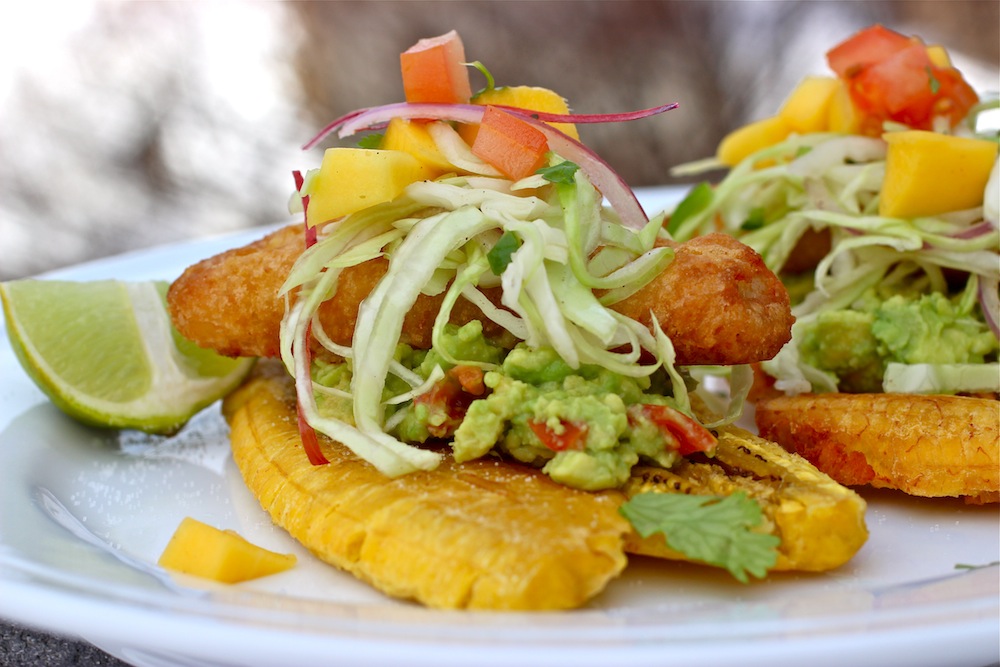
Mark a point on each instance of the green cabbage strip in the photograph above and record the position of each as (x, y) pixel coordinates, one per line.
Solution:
(380, 318)
(833, 182)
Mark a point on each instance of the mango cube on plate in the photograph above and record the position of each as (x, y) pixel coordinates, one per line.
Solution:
(221, 555)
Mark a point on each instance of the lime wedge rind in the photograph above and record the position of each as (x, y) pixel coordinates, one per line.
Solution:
(176, 391)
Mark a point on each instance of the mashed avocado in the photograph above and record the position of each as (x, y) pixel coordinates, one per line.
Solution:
(857, 344)
(581, 426)
(536, 399)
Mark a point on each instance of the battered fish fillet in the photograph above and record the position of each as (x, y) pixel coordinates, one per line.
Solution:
(481, 535)
(717, 301)
(922, 445)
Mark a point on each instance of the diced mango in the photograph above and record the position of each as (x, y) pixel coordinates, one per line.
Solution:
(842, 116)
(927, 173)
(412, 137)
(351, 179)
(744, 141)
(222, 555)
(939, 56)
(807, 108)
(533, 98)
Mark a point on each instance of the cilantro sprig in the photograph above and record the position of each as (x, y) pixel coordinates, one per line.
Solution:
(710, 529)
(696, 201)
(561, 173)
(500, 254)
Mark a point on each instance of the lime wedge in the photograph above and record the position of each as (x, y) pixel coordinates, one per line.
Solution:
(106, 353)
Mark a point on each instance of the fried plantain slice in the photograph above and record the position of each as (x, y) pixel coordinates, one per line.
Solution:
(932, 446)
(821, 524)
(481, 535)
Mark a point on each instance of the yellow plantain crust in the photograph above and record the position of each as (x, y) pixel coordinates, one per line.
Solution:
(923, 445)
(480, 535)
(821, 523)
(492, 534)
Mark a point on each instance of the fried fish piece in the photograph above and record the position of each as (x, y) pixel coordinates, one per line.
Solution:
(481, 535)
(924, 445)
(717, 301)
(821, 523)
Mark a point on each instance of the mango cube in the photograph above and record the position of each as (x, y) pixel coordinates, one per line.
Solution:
(927, 173)
(412, 137)
(807, 108)
(351, 179)
(222, 555)
(533, 98)
(746, 140)
(939, 56)
(842, 116)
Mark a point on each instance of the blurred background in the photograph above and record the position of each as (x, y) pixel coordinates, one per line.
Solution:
(125, 125)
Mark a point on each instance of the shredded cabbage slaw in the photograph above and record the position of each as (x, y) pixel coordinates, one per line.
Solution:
(437, 237)
(832, 182)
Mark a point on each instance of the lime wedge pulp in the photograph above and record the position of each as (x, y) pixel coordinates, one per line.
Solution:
(106, 353)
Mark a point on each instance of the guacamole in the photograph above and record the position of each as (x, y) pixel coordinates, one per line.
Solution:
(585, 427)
(856, 344)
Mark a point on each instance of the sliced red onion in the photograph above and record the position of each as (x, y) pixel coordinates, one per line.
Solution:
(975, 231)
(303, 384)
(590, 118)
(331, 127)
(607, 181)
(989, 301)
(310, 232)
(475, 111)
(604, 178)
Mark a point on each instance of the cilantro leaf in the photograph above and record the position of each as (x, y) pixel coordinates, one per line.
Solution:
(932, 80)
(755, 219)
(710, 529)
(562, 173)
(967, 566)
(500, 254)
(696, 201)
(490, 83)
(373, 140)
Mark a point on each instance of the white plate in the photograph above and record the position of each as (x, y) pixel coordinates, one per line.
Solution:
(902, 600)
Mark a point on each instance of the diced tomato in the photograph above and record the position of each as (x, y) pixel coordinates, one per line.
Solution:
(434, 71)
(871, 45)
(898, 87)
(470, 378)
(956, 96)
(690, 436)
(570, 435)
(892, 77)
(508, 143)
(450, 397)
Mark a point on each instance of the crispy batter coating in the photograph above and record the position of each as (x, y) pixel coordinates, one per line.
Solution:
(922, 445)
(716, 300)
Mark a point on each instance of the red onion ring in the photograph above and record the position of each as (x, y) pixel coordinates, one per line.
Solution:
(975, 231)
(605, 179)
(989, 301)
